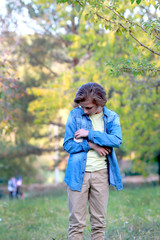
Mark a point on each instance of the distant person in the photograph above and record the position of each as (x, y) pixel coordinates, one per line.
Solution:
(12, 187)
(158, 159)
(19, 187)
(92, 131)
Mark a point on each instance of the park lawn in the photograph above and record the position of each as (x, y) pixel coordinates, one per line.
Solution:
(132, 214)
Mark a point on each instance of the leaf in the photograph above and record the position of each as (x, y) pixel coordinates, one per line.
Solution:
(77, 7)
(86, 17)
(138, 1)
(132, 1)
(106, 27)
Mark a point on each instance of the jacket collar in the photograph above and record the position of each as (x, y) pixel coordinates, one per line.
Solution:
(106, 111)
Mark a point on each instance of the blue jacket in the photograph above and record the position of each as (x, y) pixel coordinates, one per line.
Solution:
(111, 137)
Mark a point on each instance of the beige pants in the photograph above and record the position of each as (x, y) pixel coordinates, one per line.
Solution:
(95, 190)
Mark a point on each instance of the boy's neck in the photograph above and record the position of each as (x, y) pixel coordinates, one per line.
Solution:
(99, 110)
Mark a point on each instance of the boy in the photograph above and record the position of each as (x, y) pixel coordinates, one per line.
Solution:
(92, 131)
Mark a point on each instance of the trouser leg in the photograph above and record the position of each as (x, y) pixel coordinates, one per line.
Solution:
(98, 199)
(17, 192)
(11, 194)
(77, 202)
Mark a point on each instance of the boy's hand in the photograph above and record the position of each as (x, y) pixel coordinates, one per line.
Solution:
(81, 133)
(102, 151)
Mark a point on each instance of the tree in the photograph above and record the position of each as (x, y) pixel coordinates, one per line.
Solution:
(112, 16)
(89, 50)
(133, 90)
(36, 69)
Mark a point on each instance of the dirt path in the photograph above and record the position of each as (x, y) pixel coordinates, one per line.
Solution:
(47, 188)
(140, 179)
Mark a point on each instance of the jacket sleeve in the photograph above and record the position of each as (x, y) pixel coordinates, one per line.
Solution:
(69, 144)
(111, 139)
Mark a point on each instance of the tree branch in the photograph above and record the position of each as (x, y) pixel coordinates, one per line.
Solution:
(141, 44)
(107, 20)
(26, 151)
(128, 69)
(57, 124)
(80, 3)
(43, 65)
(128, 20)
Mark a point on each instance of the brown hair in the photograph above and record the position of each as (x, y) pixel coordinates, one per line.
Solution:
(91, 90)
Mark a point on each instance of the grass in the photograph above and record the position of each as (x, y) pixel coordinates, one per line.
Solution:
(132, 214)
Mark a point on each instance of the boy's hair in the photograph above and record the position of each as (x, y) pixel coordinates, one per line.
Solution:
(91, 90)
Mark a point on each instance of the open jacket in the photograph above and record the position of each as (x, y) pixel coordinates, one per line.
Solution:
(111, 137)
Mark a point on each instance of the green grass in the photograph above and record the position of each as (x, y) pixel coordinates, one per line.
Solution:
(132, 214)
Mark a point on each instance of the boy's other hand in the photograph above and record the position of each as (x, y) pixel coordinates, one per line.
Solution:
(102, 151)
(81, 133)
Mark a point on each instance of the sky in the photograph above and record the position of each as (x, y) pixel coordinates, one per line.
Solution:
(25, 25)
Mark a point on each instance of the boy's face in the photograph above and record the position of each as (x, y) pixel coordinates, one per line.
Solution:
(90, 108)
